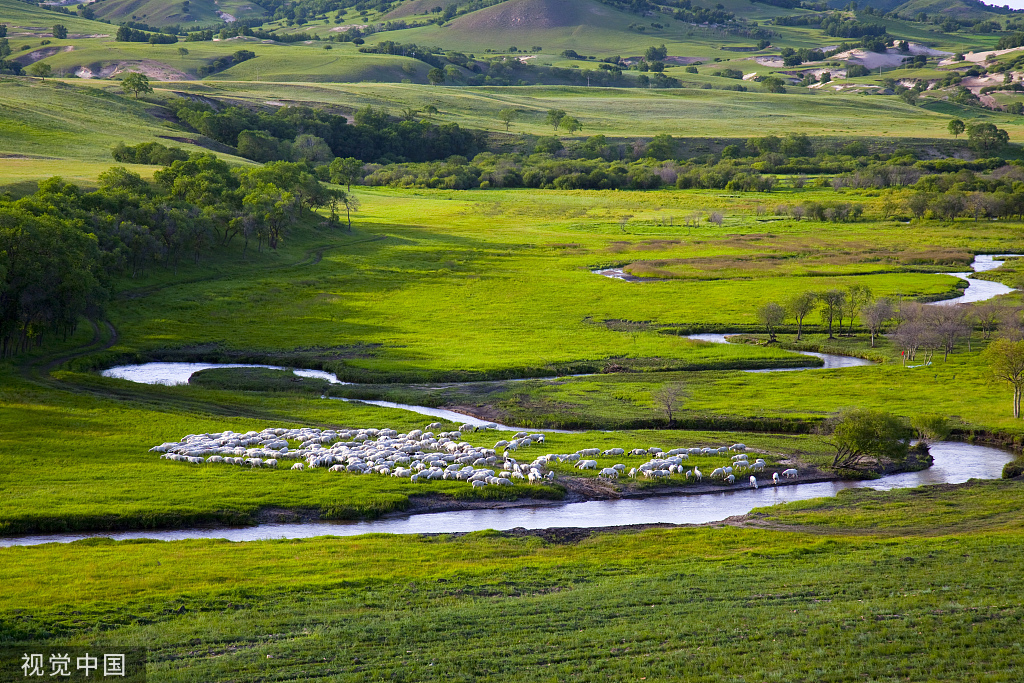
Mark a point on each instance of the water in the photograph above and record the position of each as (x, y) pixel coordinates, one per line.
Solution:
(179, 373)
(954, 463)
(831, 360)
(451, 416)
(980, 290)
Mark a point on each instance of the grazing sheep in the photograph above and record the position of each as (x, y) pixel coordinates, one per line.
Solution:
(632, 473)
(731, 479)
(609, 472)
(298, 466)
(775, 478)
(753, 481)
(790, 473)
(697, 474)
(587, 465)
(614, 451)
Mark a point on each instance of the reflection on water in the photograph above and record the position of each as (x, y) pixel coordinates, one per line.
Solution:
(178, 373)
(954, 463)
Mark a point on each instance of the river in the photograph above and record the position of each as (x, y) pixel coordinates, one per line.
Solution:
(954, 463)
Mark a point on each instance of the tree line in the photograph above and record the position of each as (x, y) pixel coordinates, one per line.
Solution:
(60, 246)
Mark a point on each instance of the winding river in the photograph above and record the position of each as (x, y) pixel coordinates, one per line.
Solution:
(954, 463)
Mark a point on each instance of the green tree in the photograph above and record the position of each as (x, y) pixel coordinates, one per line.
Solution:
(831, 303)
(60, 31)
(570, 124)
(435, 76)
(800, 306)
(182, 52)
(507, 116)
(430, 110)
(860, 435)
(773, 84)
(40, 70)
(985, 139)
(655, 54)
(554, 117)
(771, 315)
(956, 127)
(346, 171)
(661, 147)
(137, 83)
(1006, 358)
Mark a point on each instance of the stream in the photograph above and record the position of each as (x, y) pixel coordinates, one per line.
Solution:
(955, 462)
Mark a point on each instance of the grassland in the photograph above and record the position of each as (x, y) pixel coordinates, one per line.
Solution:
(845, 602)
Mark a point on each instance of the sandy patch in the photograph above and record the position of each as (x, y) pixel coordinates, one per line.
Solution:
(526, 58)
(42, 53)
(773, 61)
(751, 76)
(157, 71)
(225, 16)
(341, 29)
(891, 58)
(978, 57)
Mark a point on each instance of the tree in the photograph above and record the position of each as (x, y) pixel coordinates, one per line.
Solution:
(182, 52)
(346, 171)
(654, 54)
(40, 70)
(570, 124)
(137, 83)
(799, 307)
(435, 76)
(661, 147)
(669, 397)
(876, 315)
(862, 434)
(831, 306)
(60, 31)
(956, 127)
(430, 110)
(771, 315)
(507, 116)
(1006, 358)
(773, 84)
(554, 117)
(986, 139)
(857, 297)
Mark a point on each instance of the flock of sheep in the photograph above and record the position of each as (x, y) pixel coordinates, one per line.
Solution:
(422, 455)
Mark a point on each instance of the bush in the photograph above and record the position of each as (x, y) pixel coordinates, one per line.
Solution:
(1013, 469)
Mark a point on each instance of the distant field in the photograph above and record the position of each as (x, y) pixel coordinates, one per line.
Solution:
(615, 111)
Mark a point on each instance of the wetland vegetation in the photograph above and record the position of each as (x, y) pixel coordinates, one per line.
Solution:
(419, 200)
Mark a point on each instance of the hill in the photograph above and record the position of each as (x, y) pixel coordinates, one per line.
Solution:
(29, 21)
(184, 12)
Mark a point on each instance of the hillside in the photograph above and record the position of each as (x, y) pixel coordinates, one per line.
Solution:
(30, 21)
(183, 12)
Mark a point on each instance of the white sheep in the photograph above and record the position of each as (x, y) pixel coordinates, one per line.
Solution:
(775, 478)
(753, 481)
(587, 465)
(609, 472)
(298, 466)
(790, 473)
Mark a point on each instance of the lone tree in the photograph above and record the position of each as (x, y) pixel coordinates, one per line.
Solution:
(956, 127)
(182, 52)
(860, 435)
(669, 397)
(799, 307)
(831, 307)
(136, 83)
(507, 116)
(554, 117)
(60, 31)
(771, 315)
(570, 124)
(1007, 361)
(40, 70)
(986, 139)
(435, 76)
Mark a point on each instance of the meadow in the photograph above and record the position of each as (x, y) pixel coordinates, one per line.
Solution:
(838, 601)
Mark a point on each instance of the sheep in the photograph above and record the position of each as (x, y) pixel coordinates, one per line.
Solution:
(757, 467)
(790, 473)
(609, 472)
(587, 465)
(775, 478)
(467, 428)
(270, 463)
(738, 447)
(698, 475)
(632, 473)
(298, 466)
(614, 451)
(638, 451)
(753, 481)
(718, 473)
(336, 468)
(589, 452)
(619, 467)
(731, 479)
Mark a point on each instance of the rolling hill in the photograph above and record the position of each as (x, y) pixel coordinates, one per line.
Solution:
(181, 12)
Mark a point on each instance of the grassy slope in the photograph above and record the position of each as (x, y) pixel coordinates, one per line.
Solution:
(702, 604)
(27, 20)
(164, 13)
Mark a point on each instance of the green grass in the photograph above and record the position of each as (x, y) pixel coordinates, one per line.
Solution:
(161, 13)
(699, 604)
